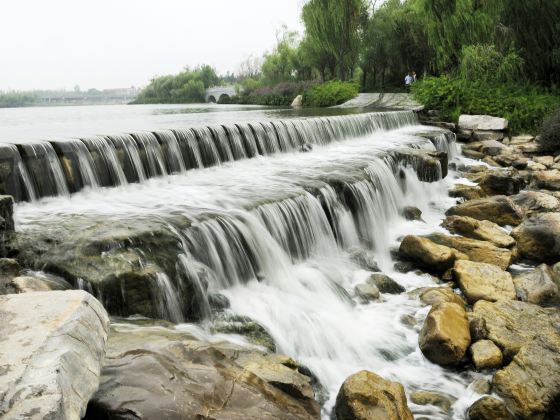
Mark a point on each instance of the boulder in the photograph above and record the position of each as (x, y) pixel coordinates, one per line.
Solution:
(363, 259)
(297, 102)
(367, 396)
(501, 182)
(547, 161)
(436, 399)
(477, 327)
(366, 292)
(511, 324)
(467, 192)
(493, 148)
(436, 295)
(532, 202)
(482, 122)
(9, 269)
(539, 286)
(385, 284)
(548, 180)
(464, 135)
(445, 337)
(530, 384)
(483, 281)
(478, 251)
(483, 230)
(53, 345)
(150, 371)
(482, 135)
(538, 237)
(412, 213)
(26, 284)
(486, 355)
(489, 408)
(427, 254)
(498, 209)
(522, 139)
(254, 332)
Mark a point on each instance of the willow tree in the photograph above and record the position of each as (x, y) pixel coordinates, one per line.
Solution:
(333, 29)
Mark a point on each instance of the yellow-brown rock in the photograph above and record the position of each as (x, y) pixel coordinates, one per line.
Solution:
(486, 355)
(483, 281)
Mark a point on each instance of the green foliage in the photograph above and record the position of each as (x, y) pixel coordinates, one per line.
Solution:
(394, 43)
(185, 87)
(333, 30)
(329, 94)
(484, 63)
(281, 94)
(523, 105)
(550, 131)
(16, 99)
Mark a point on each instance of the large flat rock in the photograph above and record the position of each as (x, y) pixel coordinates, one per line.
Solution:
(53, 344)
(482, 122)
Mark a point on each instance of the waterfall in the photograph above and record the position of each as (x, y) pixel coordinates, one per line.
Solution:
(116, 160)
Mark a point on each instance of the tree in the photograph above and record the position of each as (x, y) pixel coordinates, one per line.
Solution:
(333, 28)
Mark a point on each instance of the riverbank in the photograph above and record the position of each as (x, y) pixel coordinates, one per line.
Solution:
(339, 262)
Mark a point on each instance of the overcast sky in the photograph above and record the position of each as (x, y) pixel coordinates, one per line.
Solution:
(52, 44)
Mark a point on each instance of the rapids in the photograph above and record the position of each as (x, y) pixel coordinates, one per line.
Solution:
(275, 226)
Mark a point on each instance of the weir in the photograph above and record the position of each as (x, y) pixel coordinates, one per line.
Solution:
(60, 167)
(278, 236)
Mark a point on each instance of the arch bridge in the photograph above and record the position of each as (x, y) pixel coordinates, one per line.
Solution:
(214, 94)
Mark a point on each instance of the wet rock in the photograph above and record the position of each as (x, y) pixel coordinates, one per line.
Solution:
(364, 259)
(160, 370)
(385, 284)
(478, 251)
(498, 209)
(464, 135)
(477, 327)
(366, 292)
(539, 286)
(486, 355)
(367, 396)
(218, 302)
(432, 398)
(27, 284)
(532, 202)
(538, 237)
(436, 295)
(547, 161)
(482, 122)
(9, 269)
(467, 192)
(483, 281)
(512, 324)
(493, 148)
(412, 213)
(501, 182)
(427, 254)
(473, 154)
(254, 332)
(548, 180)
(522, 139)
(52, 348)
(483, 230)
(481, 386)
(297, 102)
(530, 384)
(489, 408)
(445, 337)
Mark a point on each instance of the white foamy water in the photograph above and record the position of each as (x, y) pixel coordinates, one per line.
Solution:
(276, 231)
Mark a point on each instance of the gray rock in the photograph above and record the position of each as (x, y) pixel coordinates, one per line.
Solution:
(53, 344)
(385, 284)
(482, 122)
(538, 286)
(412, 213)
(150, 371)
(367, 292)
(489, 408)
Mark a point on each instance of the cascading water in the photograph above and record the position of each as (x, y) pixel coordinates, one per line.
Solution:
(278, 237)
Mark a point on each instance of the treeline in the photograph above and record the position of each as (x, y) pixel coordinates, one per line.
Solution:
(185, 87)
(16, 99)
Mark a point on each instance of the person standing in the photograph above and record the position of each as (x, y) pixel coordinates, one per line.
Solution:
(414, 79)
(408, 81)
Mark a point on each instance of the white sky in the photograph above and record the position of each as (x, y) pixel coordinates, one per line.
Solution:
(52, 44)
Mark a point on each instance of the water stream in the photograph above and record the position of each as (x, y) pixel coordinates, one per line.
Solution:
(276, 231)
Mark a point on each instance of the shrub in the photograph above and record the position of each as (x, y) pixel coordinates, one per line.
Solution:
(485, 63)
(524, 106)
(330, 94)
(550, 131)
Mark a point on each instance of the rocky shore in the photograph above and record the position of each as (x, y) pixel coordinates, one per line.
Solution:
(494, 310)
